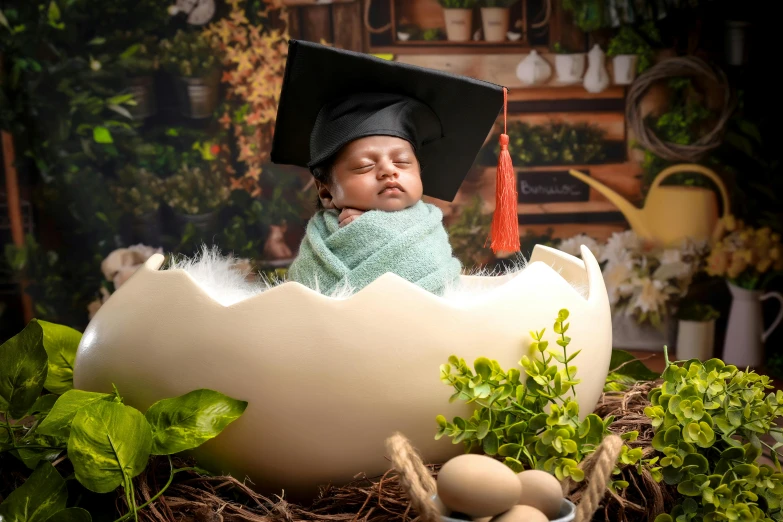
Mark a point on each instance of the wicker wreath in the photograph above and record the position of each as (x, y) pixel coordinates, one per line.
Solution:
(673, 68)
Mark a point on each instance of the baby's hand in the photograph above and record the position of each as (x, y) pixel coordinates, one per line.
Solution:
(347, 215)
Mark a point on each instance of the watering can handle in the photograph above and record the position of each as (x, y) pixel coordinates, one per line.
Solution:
(692, 167)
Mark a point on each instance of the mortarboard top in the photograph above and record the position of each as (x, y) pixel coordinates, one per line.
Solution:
(447, 117)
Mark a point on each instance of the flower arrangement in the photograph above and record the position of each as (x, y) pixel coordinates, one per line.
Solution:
(643, 280)
(137, 190)
(745, 256)
(254, 55)
(190, 54)
(196, 190)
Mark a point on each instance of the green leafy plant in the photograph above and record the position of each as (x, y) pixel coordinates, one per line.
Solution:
(107, 442)
(559, 48)
(137, 52)
(693, 310)
(190, 54)
(457, 4)
(432, 34)
(529, 419)
(557, 143)
(589, 15)
(711, 422)
(625, 370)
(630, 41)
(196, 190)
(137, 190)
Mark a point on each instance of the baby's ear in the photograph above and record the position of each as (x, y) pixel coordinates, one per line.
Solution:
(324, 195)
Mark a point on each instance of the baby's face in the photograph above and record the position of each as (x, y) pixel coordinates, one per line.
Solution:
(374, 173)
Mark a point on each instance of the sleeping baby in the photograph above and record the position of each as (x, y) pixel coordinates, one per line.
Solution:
(381, 135)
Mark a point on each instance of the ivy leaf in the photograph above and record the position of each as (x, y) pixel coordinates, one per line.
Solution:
(4, 21)
(187, 421)
(22, 370)
(58, 422)
(42, 495)
(43, 404)
(60, 343)
(102, 135)
(109, 445)
(73, 514)
(490, 443)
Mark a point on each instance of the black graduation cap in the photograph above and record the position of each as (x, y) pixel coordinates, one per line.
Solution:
(331, 97)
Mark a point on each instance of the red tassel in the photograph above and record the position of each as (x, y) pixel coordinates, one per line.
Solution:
(505, 222)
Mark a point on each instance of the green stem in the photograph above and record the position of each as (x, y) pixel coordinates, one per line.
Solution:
(159, 493)
(10, 432)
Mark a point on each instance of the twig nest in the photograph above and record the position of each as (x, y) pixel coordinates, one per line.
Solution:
(542, 491)
(478, 486)
(521, 513)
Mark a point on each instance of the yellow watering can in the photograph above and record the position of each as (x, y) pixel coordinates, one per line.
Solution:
(670, 213)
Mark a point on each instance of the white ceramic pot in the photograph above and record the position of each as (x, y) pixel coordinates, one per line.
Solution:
(628, 334)
(745, 333)
(596, 78)
(329, 380)
(459, 23)
(570, 67)
(624, 68)
(695, 340)
(534, 69)
(494, 20)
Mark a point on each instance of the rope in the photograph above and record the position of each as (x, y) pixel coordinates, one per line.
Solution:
(419, 486)
(673, 68)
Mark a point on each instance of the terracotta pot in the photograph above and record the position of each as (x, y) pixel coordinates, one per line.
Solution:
(495, 23)
(624, 68)
(745, 334)
(695, 340)
(459, 24)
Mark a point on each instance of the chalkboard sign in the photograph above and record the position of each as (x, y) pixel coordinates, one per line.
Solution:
(551, 186)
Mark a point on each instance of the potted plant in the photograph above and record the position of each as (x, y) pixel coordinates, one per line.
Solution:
(138, 58)
(495, 16)
(631, 52)
(569, 64)
(196, 194)
(138, 193)
(458, 15)
(695, 330)
(747, 258)
(193, 60)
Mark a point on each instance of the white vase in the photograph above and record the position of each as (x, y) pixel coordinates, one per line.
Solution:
(745, 334)
(628, 334)
(570, 67)
(534, 69)
(596, 77)
(695, 340)
(624, 68)
(459, 23)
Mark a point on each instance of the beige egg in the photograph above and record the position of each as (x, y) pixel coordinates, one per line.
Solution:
(521, 514)
(478, 486)
(542, 491)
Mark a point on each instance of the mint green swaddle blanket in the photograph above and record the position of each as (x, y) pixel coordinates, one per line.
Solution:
(411, 243)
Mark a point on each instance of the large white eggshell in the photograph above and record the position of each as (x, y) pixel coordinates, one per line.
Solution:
(329, 380)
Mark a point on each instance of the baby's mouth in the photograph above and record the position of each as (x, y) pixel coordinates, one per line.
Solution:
(391, 188)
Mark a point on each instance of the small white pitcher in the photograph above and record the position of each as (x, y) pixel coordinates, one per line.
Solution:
(745, 334)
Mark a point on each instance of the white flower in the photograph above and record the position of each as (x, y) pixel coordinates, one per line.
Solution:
(651, 297)
(617, 277)
(621, 243)
(573, 245)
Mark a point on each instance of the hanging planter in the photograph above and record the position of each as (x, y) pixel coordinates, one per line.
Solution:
(143, 90)
(193, 61)
(458, 15)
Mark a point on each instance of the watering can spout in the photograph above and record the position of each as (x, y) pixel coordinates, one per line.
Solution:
(633, 215)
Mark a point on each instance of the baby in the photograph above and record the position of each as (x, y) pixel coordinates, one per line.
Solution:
(377, 136)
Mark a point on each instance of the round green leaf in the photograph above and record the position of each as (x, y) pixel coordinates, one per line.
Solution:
(42, 495)
(490, 443)
(73, 514)
(187, 421)
(22, 370)
(60, 343)
(109, 445)
(58, 422)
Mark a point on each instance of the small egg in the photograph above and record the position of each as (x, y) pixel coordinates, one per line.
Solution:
(521, 514)
(478, 486)
(542, 491)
